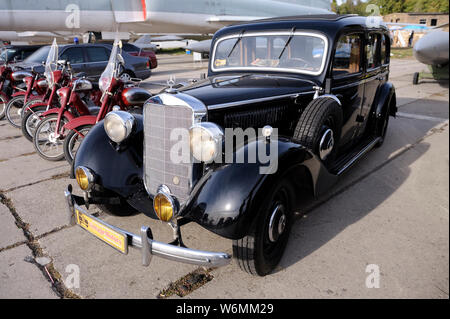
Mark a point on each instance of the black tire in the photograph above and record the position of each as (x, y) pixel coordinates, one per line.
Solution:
(318, 117)
(3, 102)
(40, 140)
(14, 110)
(30, 121)
(72, 141)
(381, 128)
(122, 209)
(258, 253)
(416, 78)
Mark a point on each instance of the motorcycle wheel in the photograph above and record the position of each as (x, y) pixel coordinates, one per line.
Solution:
(27, 105)
(3, 102)
(14, 110)
(73, 141)
(31, 120)
(46, 144)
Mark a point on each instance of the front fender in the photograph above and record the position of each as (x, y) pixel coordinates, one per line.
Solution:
(18, 93)
(81, 120)
(116, 169)
(67, 115)
(227, 199)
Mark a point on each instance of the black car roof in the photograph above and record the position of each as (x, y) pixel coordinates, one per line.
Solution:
(329, 24)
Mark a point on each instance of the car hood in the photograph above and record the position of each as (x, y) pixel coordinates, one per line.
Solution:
(237, 88)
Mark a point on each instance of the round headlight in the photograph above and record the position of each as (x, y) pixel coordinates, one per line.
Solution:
(205, 141)
(85, 178)
(118, 125)
(164, 207)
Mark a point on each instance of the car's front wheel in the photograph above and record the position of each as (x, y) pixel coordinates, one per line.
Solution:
(260, 251)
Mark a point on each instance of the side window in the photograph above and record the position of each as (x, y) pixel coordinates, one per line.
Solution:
(385, 41)
(27, 53)
(373, 57)
(74, 55)
(97, 54)
(347, 58)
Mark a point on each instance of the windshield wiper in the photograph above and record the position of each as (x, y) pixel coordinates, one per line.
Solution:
(287, 42)
(236, 43)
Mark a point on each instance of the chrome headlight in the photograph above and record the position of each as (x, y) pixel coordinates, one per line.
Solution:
(118, 125)
(205, 141)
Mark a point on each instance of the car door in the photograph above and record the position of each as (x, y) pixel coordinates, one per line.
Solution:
(372, 77)
(98, 60)
(347, 83)
(76, 57)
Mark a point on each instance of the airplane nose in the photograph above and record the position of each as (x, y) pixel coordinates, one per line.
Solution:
(432, 48)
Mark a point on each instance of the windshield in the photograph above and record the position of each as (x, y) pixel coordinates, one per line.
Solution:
(289, 52)
(51, 63)
(112, 70)
(38, 56)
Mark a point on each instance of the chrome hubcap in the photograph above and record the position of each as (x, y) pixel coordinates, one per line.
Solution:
(326, 144)
(277, 223)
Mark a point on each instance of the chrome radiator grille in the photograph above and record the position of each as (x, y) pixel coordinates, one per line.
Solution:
(159, 121)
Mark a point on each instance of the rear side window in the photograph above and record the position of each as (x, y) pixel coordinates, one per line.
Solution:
(347, 58)
(97, 54)
(385, 44)
(373, 51)
(74, 55)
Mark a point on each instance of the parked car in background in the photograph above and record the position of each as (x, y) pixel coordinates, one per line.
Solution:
(17, 53)
(90, 59)
(134, 50)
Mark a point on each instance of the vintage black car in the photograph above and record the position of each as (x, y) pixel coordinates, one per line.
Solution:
(310, 95)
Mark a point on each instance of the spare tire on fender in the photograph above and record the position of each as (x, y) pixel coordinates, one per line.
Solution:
(319, 128)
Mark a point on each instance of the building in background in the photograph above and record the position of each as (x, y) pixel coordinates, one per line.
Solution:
(427, 19)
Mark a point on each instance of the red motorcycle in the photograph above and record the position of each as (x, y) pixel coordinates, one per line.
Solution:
(32, 112)
(36, 89)
(10, 83)
(50, 132)
(117, 94)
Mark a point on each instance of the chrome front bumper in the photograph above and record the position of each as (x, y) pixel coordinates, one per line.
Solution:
(150, 247)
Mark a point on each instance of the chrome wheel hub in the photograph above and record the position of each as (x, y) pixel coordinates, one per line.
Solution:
(277, 223)
(52, 137)
(326, 144)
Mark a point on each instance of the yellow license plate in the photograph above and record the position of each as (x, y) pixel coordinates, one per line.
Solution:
(103, 232)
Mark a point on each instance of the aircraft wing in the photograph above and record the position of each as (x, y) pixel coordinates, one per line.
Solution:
(230, 19)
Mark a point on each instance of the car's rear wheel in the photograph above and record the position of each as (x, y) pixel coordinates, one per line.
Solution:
(260, 251)
(319, 128)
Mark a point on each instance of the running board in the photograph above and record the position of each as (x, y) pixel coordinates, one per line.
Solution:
(341, 169)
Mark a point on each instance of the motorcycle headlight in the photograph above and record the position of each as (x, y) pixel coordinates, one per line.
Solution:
(118, 125)
(205, 141)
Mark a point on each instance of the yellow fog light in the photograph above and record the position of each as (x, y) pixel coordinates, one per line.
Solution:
(85, 178)
(164, 207)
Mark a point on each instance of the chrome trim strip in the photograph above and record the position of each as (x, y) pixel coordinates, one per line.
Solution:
(284, 33)
(359, 155)
(264, 99)
(151, 247)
